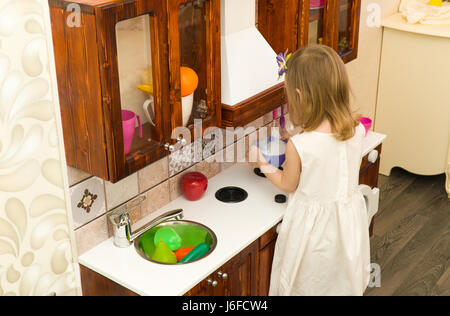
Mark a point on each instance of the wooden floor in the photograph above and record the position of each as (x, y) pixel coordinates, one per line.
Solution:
(411, 239)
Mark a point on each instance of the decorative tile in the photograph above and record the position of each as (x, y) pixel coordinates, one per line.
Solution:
(88, 201)
(181, 159)
(121, 191)
(153, 174)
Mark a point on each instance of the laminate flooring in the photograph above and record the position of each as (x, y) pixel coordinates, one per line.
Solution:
(411, 241)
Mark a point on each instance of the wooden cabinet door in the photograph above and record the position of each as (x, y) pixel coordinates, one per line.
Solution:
(243, 279)
(114, 86)
(291, 24)
(317, 25)
(194, 42)
(267, 244)
(285, 14)
(79, 88)
(204, 288)
(345, 39)
(369, 172)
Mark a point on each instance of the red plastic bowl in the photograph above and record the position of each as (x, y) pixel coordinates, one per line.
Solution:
(366, 122)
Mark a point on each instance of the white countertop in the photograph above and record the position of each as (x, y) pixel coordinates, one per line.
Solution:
(398, 22)
(236, 227)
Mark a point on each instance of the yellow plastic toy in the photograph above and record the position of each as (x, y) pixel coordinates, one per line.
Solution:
(436, 3)
(147, 81)
(147, 88)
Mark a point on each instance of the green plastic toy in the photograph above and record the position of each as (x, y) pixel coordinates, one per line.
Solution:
(169, 236)
(196, 253)
(163, 254)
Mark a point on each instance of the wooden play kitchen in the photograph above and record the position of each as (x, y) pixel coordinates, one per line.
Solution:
(119, 46)
(248, 272)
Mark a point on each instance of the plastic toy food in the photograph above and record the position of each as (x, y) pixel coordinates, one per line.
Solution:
(196, 253)
(181, 253)
(163, 254)
(189, 81)
(194, 185)
(169, 237)
(147, 88)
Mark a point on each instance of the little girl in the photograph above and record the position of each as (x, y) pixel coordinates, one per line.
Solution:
(323, 246)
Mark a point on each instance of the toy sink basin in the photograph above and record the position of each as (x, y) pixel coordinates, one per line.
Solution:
(191, 233)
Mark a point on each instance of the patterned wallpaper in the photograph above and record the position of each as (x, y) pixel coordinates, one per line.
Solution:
(36, 239)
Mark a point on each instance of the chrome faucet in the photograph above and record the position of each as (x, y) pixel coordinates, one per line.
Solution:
(120, 218)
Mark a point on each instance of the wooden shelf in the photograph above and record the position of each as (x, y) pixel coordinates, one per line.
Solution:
(144, 150)
(249, 110)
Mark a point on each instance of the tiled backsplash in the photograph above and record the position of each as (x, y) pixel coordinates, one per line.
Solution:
(92, 198)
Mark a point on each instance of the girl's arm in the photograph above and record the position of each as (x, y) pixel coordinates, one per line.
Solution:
(288, 179)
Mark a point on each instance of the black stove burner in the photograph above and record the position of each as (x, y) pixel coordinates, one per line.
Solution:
(231, 195)
(259, 173)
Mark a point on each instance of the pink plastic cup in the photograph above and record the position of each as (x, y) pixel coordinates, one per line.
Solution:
(315, 4)
(367, 123)
(129, 125)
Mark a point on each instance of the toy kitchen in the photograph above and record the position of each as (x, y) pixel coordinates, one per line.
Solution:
(151, 66)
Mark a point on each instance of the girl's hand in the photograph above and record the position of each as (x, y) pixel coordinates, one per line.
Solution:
(255, 157)
(258, 161)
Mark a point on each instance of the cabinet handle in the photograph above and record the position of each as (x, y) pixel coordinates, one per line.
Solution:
(169, 147)
(212, 283)
(222, 275)
(180, 141)
(373, 156)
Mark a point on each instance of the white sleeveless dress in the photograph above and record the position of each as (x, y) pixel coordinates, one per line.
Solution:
(323, 246)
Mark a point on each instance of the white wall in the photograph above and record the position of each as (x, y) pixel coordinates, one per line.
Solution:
(364, 70)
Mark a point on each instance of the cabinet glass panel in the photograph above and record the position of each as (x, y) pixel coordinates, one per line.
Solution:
(134, 55)
(345, 27)
(194, 60)
(316, 21)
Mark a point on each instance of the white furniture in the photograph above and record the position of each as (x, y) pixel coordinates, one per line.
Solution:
(413, 105)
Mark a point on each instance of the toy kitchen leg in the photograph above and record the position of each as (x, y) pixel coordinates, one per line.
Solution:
(372, 197)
